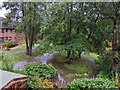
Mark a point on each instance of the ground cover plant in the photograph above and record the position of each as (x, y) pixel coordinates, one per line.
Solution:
(93, 83)
(39, 74)
(41, 70)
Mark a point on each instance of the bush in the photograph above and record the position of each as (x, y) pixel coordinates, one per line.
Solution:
(42, 83)
(8, 43)
(93, 83)
(7, 62)
(38, 74)
(43, 71)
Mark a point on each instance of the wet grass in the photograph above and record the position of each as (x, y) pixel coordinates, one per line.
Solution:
(17, 49)
(92, 55)
(17, 57)
(76, 66)
(82, 66)
(75, 70)
(24, 44)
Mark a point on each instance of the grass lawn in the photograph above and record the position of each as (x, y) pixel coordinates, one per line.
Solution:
(17, 49)
(21, 56)
(12, 50)
(17, 57)
(82, 66)
(91, 55)
(75, 67)
(23, 44)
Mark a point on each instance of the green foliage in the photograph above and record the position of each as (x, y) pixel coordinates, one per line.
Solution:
(93, 83)
(38, 74)
(92, 55)
(42, 83)
(7, 62)
(28, 19)
(79, 66)
(38, 82)
(77, 75)
(105, 61)
(8, 43)
(38, 69)
(76, 30)
(101, 75)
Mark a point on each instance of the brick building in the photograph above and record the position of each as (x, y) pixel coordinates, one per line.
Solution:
(8, 33)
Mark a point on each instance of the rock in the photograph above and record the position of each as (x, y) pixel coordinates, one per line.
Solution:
(46, 54)
(19, 65)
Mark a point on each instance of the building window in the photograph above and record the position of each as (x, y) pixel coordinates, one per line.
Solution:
(19, 38)
(2, 30)
(6, 38)
(2, 38)
(9, 38)
(11, 30)
(6, 30)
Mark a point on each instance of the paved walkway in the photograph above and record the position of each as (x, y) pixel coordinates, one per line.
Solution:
(88, 58)
(20, 51)
(40, 58)
(16, 47)
(44, 59)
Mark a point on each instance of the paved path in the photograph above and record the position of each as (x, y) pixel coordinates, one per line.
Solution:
(88, 58)
(40, 58)
(16, 47)
(44, 59)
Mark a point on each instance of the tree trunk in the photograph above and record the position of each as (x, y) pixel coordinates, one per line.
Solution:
(24, 28)
(79, 52)
(68, 56)
(68, 53)
(69, 26)
(114, 41)
(31, 36)
(27, 47)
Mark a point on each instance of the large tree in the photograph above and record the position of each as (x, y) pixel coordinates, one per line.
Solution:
(27, 19)
(76, 27)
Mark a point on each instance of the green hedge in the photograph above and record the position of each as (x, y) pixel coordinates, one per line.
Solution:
(93, 83)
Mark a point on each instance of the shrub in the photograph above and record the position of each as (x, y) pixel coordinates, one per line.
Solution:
(43, 71)
(8, 43)
(39, 84)
(7, 62)
(42, 83)
(93, 83)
